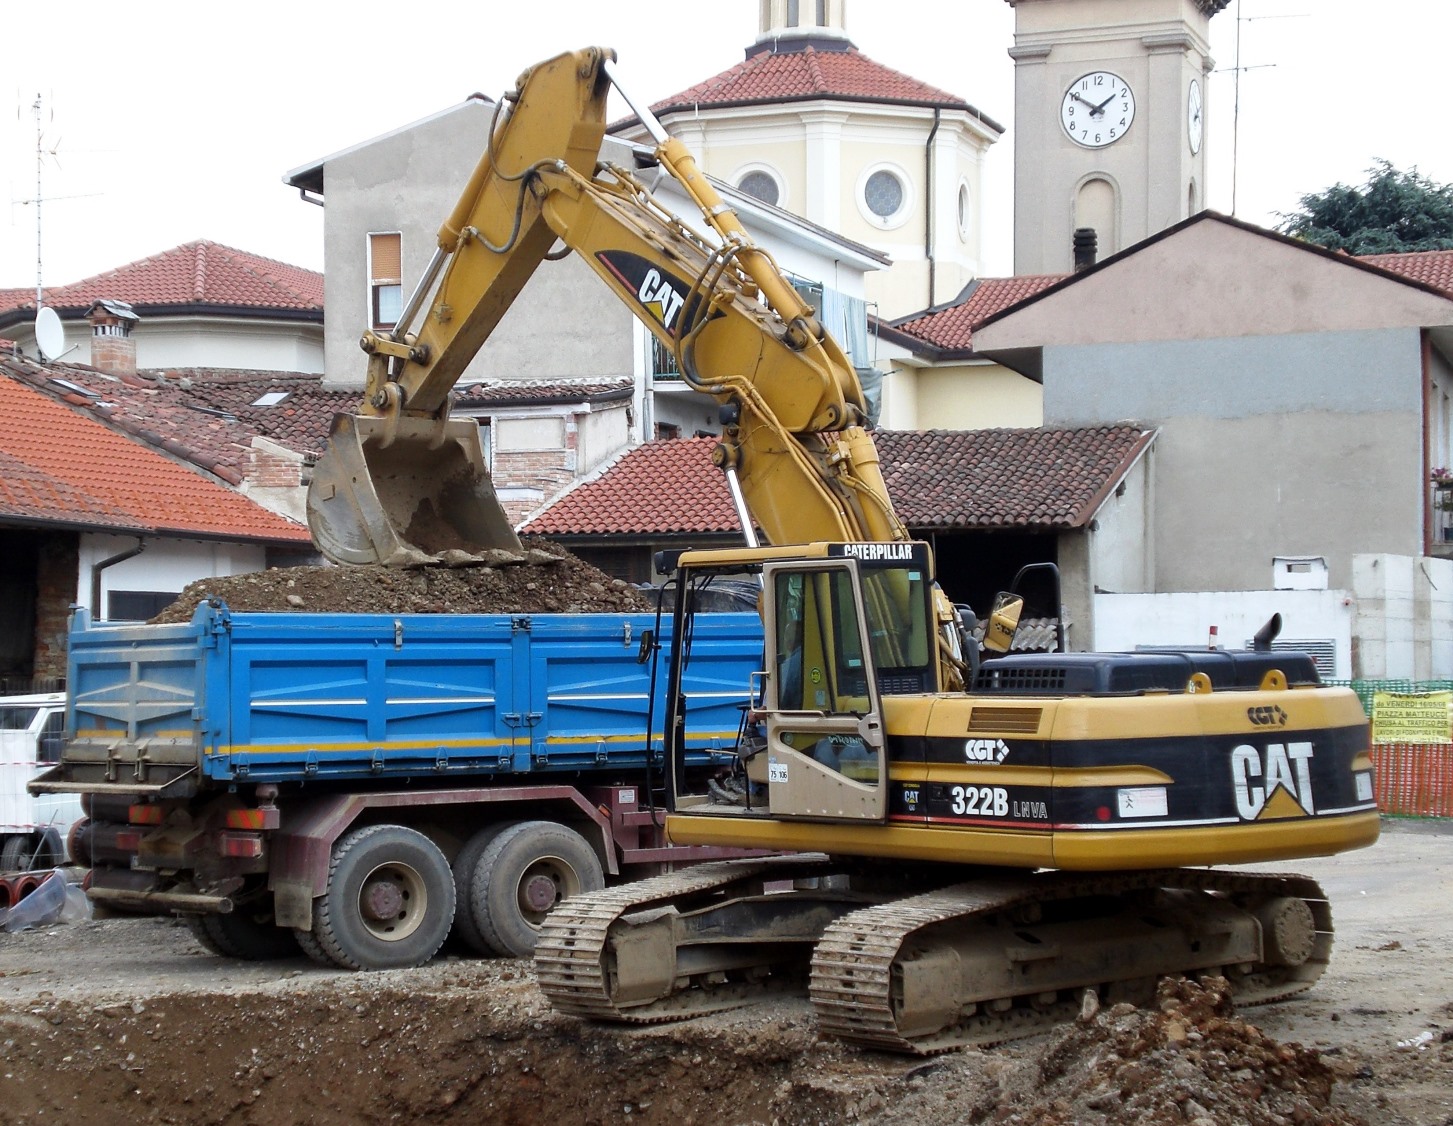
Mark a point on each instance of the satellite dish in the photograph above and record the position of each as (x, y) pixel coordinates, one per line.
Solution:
(50, 335)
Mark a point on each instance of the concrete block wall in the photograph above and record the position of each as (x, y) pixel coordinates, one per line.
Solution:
(1403, 628)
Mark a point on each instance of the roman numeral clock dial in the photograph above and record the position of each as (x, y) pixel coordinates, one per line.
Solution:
(1097, 110)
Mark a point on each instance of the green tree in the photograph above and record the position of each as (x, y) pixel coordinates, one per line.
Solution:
(1394, 211)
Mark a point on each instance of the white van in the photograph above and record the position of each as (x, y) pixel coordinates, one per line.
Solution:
(33, 827)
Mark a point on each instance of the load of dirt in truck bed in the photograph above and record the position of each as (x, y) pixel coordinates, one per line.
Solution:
(549, 581)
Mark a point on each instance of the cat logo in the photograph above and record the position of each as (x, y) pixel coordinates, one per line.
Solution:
(659, 298)
(662, 296)
(1273, 783)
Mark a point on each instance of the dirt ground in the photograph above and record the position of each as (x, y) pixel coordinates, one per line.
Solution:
(548, 580)
(129, 1020)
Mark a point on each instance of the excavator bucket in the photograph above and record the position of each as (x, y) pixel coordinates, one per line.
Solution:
(407, 492)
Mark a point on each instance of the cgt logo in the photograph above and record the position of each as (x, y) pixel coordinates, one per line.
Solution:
(1275, 782)
(985, 750)
(1267, 716)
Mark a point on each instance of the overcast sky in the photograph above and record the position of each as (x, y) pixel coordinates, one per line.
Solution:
(176, 121)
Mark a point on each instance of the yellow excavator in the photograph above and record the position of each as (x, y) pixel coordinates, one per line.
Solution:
(966, 850)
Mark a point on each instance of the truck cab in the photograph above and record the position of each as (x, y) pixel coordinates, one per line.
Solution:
(34, 828)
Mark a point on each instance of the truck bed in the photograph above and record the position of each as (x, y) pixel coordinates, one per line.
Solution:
(269, 697)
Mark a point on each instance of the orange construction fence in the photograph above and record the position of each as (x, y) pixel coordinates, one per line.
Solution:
(1413, 779)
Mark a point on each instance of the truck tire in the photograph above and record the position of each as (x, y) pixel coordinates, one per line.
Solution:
(50, 852)
(389, 902)
(24, 852)
(241, 936)
(310, 946)
(524, 872)
(15, 854)
(466, 864)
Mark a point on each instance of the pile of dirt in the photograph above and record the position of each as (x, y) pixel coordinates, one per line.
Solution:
(474, 1042)
(1188, 1060)
(549, 580)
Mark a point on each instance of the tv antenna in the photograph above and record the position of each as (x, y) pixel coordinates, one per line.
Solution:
(43, 115)
(1236, 69)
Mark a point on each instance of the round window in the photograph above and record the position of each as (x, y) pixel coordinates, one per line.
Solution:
(883, 193)
(965, 218)
(761, 186)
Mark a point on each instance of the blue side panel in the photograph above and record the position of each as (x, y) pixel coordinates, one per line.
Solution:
(327, 695)
(288, 697)
(144, 685)
(591, 695)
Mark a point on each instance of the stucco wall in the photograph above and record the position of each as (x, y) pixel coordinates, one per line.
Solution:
(968, 397)
(564, 324)
(1287, 445)
(203, 342)
(165, 565)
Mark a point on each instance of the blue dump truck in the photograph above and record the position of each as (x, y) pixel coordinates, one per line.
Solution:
(361, 785)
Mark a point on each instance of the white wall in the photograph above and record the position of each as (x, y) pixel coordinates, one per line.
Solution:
(1395, 624)
(1125, 621)
(165, 565)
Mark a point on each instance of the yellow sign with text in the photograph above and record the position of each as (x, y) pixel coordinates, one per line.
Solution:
(1414, 717)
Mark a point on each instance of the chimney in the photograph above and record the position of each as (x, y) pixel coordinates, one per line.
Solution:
(112, 348)
(1084, 248)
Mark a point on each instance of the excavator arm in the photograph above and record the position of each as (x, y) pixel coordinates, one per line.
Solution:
(403, 483)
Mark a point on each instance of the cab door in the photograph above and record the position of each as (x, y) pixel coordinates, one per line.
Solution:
(826, 752)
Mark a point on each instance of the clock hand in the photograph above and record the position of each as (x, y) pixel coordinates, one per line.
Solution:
(1100, 109)
(1085, 101)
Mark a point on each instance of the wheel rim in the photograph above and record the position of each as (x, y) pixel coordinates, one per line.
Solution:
(393, 901)
(544, 884)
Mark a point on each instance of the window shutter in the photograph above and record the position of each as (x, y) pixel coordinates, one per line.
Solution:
(385, 257)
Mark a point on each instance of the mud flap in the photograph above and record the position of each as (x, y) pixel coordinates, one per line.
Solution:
(404, 491)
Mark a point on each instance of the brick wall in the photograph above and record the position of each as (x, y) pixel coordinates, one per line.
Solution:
(115, 355)
(272, 467)
(57, 573)
(543, 472)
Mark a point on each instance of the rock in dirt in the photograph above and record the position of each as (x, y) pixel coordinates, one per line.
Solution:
(549, 581)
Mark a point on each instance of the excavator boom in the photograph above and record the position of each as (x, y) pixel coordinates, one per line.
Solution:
(402, 483)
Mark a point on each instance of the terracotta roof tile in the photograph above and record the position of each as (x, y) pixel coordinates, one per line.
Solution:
(58, 466)
(657, 489)
(778, 76)
(503, 392)
(951, 327)
(205, 416)
(196, 273)
(982, 479)
(1431, 267)
(939, 479)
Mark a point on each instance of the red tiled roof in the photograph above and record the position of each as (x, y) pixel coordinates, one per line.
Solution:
(1030, 478)
(656, 489)
(204, 416)
(939, 479)
(951, 328)
(1431, 267)
(795, 75)
(196, 273)
(59, 467)
(503, 392)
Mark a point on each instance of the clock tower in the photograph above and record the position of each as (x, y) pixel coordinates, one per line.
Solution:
(1109, 100)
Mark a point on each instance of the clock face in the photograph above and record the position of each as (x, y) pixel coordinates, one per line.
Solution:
(1097, 109)
(1193, 117)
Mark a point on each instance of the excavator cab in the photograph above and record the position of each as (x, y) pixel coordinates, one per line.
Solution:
(843, 624)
